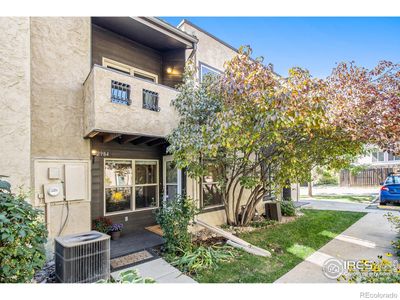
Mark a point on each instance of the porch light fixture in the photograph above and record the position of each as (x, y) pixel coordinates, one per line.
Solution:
(170, 70)
(94, 153)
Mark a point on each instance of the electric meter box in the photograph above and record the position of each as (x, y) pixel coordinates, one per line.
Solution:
(53, 192)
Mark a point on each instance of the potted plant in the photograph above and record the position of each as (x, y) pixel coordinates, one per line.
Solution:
(101, 224)
(115, 231)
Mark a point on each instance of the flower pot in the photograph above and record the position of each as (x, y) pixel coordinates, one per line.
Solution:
(115, 235)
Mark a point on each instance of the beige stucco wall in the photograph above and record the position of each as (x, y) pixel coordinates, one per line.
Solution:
(209, 50)
(60, 63)
(15, 119)
(103, 115)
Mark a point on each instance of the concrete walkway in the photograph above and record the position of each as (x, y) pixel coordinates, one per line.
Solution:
(366, 239)
(343, 206)
(160, 271)
(340, 190)
(349, 206)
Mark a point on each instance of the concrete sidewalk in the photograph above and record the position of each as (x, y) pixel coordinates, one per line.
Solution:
(342, 206)
(160, 271)
(366, 239)
(348, 206)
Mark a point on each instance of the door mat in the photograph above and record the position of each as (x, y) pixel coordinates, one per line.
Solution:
(155, 229)
(131, 259)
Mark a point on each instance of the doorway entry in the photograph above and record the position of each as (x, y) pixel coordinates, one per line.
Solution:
(172, 179)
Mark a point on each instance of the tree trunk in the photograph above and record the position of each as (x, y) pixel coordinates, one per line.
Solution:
(287, 191)
(310, 186)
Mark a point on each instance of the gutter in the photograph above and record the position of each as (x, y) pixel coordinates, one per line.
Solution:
(172, 29)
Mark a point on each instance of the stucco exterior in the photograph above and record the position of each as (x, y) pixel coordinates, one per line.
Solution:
(213, 53)
(209, 51)
(60, 62)
(104, 116)
(54, 100)
(15, 124)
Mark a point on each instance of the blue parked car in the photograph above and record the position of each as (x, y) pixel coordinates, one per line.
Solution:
(390, 190)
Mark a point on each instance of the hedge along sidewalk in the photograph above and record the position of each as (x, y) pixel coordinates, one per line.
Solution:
(366, 239)
(289, 243)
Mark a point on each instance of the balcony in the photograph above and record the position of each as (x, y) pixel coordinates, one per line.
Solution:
(118, 103)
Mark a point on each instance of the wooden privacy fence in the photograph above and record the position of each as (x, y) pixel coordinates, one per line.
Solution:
(368, 177)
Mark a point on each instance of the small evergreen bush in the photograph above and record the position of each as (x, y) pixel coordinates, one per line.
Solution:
(287, 208)
(174, 219)
(22, 237)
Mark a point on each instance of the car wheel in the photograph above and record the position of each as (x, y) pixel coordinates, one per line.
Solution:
(382, 203)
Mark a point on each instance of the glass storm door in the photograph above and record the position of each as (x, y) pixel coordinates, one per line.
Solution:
(172, 179)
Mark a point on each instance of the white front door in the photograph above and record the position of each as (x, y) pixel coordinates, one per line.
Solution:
(172, 179)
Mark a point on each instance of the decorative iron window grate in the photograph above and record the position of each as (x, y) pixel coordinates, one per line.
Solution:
(150, 100)
(120, 92)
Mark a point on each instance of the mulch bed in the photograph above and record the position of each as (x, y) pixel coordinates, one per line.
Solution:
(216, 240)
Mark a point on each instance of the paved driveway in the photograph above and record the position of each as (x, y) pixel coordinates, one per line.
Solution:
(366, 239)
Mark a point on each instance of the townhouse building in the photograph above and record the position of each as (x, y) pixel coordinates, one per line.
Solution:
(86, 107)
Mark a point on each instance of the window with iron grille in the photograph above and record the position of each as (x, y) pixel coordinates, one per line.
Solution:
(150, 100)
(120, 92)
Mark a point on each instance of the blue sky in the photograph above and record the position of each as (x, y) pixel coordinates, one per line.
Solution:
(312, 43)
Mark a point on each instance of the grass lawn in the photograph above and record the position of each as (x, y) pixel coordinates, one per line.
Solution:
(293, 242)
(343, 198)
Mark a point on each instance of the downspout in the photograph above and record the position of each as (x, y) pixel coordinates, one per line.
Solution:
(194, 49)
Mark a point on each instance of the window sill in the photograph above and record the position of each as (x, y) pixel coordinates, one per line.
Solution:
(129, 211)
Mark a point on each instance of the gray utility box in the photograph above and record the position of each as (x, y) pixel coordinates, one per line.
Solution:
(273, 210)
(83, 257)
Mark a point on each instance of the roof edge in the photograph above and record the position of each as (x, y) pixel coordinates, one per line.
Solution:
(186, 21)
(172, 28)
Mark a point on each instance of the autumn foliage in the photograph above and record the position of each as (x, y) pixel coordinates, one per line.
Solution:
(261, 130)
(366, 103)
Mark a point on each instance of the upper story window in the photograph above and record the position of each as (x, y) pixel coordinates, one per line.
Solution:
(378, 156)
(207, 70)
(381, 156)
(392, 157)
(150, 100)
(120, 92)
(115, 65)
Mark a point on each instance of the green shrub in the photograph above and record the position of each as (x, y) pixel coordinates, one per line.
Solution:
(202, 258)
(288, 208)
(23, 235)
(174, 219)
(327, 177)
(130, 276)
